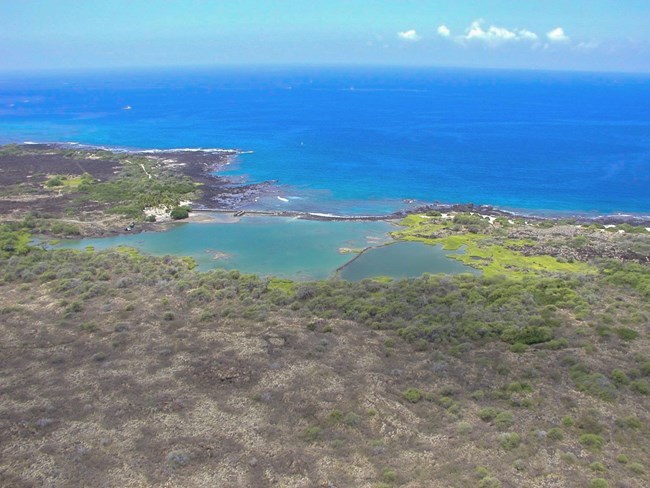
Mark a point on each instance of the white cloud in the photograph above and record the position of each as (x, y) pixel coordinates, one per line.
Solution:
(501, 33)
(525, 34)
(444, 31)
(495, 35)
(479, 32)
(409, 35)
(587, 45)
(475, 31)
(557, 35)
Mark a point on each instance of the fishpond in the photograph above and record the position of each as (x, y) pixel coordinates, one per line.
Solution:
(288, 247)
(404, 260)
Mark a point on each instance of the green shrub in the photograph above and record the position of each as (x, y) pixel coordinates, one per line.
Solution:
(338, 443)
(633, 275)
(598, 483)
(603, 331)
(207, 316)
(510, 441)
(464, 428)
(569, 457)
(445, 402)
(179, 213)
(579, 241)
(622, 458)
(589, 422)
(518, 347)
(470, 220)
(598, 466)
(555, 434)
(99, 357)
(519, 387)
(488, 414)
(626, 334)
(637, 468)
(567, 421)
(388, 475)
(74, 307)
(504, 420)
(645, 368)
(336, 415)
(477, 394)
(630, 422)
(528, 335)
(412, 395)
(89, 327)
(640, 386)
(481, 472)
(592, 441)
(595, 384)
(64, 229)
(352, 419)
(619, 377)
(56, 180)
(489, 482)
(557, 344)
(312, 434)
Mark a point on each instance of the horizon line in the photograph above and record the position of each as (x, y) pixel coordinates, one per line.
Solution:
(270, 65)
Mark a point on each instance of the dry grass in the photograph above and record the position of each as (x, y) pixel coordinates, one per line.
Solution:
(137, 400)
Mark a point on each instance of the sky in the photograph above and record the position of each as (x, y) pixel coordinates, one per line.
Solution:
(593, 35)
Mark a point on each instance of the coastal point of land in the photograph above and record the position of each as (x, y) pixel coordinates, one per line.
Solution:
(99, 192)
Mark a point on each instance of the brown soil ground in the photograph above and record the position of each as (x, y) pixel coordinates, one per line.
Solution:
(127, 393)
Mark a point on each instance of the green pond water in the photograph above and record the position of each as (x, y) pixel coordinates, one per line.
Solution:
(286, 247)
(404, 260)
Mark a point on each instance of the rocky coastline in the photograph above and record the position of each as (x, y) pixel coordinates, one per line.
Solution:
(24, 169)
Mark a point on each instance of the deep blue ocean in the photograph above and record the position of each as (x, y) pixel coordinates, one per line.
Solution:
(360, 140)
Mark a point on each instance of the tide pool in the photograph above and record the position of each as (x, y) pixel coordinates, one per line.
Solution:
(287, 247)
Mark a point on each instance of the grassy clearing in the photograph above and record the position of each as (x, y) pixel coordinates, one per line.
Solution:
(286, 286)
(68, 182)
